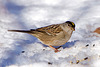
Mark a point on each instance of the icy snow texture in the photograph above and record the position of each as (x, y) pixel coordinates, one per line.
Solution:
(24, 50)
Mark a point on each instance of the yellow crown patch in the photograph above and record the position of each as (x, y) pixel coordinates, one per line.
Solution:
(72, 23)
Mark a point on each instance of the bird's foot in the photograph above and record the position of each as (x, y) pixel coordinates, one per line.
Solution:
(57, 51)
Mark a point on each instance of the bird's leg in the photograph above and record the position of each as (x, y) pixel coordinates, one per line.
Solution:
(59, 47)
(56, 50)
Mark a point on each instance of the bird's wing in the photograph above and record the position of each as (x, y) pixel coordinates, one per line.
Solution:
(51, 30)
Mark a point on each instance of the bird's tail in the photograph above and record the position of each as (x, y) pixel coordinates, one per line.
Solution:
(23, 31)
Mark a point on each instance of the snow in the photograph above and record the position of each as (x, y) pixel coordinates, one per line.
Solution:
(24, 50)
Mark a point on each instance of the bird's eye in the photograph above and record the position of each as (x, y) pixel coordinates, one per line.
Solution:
(68, 24)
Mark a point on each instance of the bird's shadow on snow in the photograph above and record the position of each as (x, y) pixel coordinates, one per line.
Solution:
(69, 44)
(66, 45)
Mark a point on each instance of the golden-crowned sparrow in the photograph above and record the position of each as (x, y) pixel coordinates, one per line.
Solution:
(52, 35)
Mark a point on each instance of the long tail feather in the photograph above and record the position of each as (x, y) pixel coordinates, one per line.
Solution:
(23, 31)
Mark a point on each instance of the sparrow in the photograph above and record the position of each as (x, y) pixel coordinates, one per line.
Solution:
(52, 35)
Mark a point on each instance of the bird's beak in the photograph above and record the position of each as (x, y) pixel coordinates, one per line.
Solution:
(73, 29)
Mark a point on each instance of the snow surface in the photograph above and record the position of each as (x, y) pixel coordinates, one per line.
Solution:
(24, 50)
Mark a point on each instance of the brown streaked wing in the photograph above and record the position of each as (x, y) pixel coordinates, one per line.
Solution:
(51, 30)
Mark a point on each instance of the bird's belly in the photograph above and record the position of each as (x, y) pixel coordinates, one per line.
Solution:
(61, 39)
(57, 42)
